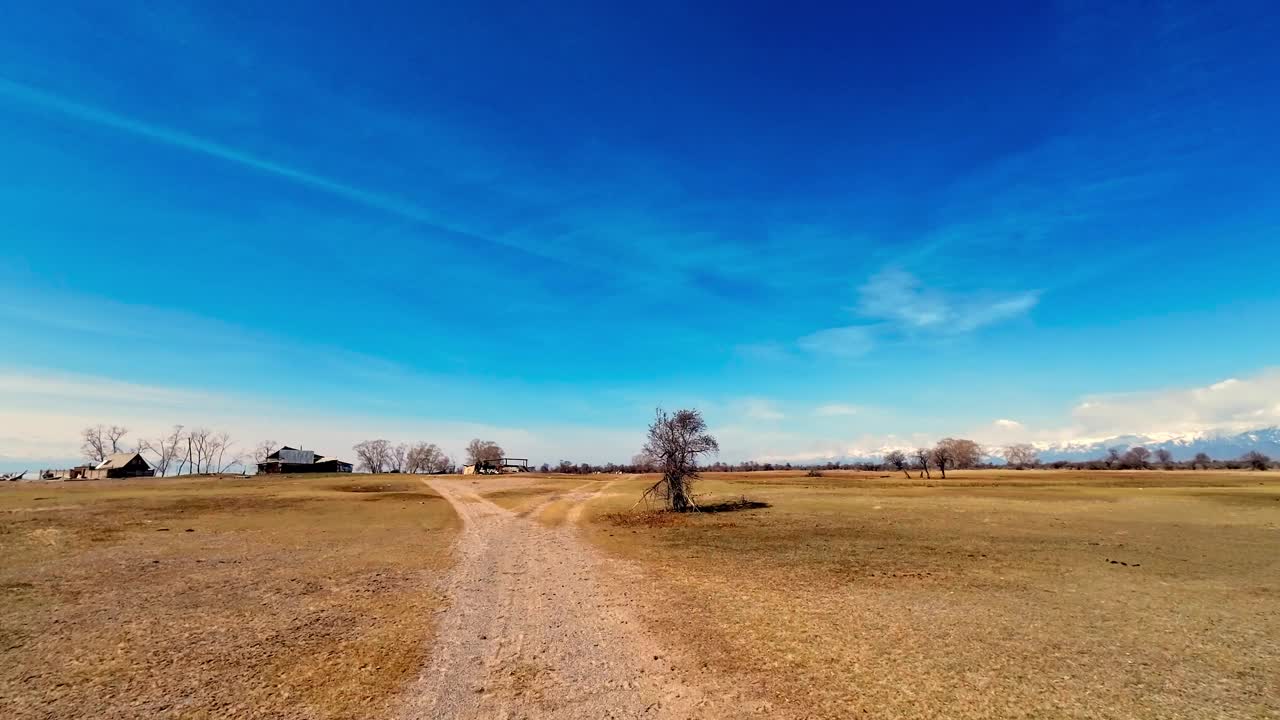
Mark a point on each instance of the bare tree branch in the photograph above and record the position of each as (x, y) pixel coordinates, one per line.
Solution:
(675, 443)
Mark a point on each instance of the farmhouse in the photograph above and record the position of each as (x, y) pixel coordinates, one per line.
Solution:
(499, 466)
(120, 465)
(293, 460)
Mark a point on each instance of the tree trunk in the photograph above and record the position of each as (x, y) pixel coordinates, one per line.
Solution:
(679, 492)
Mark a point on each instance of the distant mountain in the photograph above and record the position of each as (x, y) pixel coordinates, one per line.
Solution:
(1219, 445)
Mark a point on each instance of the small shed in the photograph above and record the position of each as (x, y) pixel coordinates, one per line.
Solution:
(120, 465)
(331, 465)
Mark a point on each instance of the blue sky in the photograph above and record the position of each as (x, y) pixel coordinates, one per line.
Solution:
(830, 229)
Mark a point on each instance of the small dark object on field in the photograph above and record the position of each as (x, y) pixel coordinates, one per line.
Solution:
(1121, 562)
(666, 518)
(190, 530)
(733, 505)
(813, 473)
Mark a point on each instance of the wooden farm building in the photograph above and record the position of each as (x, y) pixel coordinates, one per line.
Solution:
(496, 467)
(293, 460)
(120, 465)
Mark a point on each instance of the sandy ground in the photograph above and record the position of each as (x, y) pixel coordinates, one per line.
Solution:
(543, 626)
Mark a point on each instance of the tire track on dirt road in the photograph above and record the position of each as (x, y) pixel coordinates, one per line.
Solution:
(534, 631)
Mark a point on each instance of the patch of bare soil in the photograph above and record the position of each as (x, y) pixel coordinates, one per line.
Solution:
(543, 626)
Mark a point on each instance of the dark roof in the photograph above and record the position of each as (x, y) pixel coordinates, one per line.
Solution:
(276, 455)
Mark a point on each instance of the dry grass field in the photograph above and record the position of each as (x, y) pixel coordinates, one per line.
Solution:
(287, 597)
(990, 594)
(987, 595)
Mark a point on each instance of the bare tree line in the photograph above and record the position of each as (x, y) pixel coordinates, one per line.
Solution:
(191, 451)
(203, 451)
(381, 456)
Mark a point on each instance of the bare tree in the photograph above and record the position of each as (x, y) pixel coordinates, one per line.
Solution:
(425, 457)
(263, 449)
(941, 457)
(643, 463)
(923, 457)
(480, 451)
(374, 455)
(94, 445)
(396, 457)
(115, 434)
(898, 460)
(961, 453)
(1164, 457)
(202, 449)
(220, 445)
(676, 442)
(1021, 455)
(164, 450)
(1135, 458)
(1201, 461)
(1113, 459)
(1256, 460)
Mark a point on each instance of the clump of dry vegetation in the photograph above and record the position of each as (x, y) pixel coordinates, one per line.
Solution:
(280, 597)
(1002, 594)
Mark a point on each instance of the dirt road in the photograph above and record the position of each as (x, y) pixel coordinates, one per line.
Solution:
(540, 627)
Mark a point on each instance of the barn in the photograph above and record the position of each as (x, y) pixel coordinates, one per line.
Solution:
(293, 460)
(120, 465)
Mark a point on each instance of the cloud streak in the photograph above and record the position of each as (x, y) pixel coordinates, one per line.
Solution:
(835, 410)
(896, 304)
(851, 341)
(36, 98)
(903, 300)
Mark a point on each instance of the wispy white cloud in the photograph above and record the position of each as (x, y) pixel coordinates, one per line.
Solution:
(897, 305)
(1233, 403)
(761, 409)
(835, 410)
(903, 300)
(851, 341)
(415, 213)
(84, 390)
(900, 297)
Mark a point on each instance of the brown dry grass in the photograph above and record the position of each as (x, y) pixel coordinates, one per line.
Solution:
(990, 594)
(547, 498)
(288, 597)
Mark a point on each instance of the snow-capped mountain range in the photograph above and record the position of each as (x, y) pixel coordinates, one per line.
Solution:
(1217, 444)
